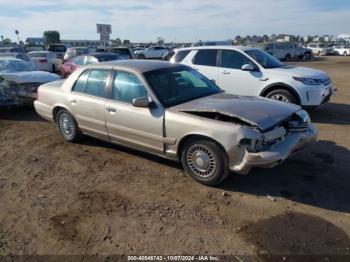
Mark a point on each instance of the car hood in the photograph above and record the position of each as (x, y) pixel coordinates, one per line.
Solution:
(29, 77)
(298, 71)
(261, 112)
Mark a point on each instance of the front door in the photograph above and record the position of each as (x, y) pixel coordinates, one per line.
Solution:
(233, 79)
(138, 127)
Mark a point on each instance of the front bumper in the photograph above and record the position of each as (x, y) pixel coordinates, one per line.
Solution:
(294, 142)
(315, 96)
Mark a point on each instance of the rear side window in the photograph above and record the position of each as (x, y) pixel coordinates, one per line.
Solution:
(96, 83)
(80, 83)
(206, 57)
(181, 55)
(234, 59)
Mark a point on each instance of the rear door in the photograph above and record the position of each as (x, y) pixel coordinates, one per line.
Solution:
(138, 127)
(233, 79)
(87, 101)
(205, 61)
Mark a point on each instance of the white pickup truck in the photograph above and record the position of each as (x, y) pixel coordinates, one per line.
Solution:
(287, 50)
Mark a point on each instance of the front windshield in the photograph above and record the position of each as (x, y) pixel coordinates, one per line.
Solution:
(175, 86)
(264, 59)
(14, 66)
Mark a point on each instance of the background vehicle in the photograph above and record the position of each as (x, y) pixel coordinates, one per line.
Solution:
(75, 51)
(343, 50)
(19, 81)
(71, 65)
(133, 102)
(154, 52)
(45, 61)
(212, 43)
(22, 56)
(11, 50)
(250, 71)
(123, 51)
(286, 50)
(58, 49)
(320, 49)
(31, 47)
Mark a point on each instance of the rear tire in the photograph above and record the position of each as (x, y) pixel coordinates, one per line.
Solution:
(282, 95)
(288, 57)
(345, 54)
(307, 55)
(141, 56)
(205, 161)
(68, 127)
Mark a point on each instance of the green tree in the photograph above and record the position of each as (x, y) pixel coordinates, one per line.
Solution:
(6, 41)
(116, 41)
(51, 37)
(126, 42)
(160, 41)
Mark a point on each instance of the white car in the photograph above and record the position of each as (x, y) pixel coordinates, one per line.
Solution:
(45, 61)
(286, 50)
(154, 52)
(320, 49)
(342, 50)
(250, 71)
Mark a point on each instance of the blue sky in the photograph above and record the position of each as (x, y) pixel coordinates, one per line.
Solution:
(175, 20)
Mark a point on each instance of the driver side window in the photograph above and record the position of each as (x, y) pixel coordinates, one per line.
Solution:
(126, 87)
(233, 59)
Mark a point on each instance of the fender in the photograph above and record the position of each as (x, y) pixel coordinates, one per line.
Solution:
(281, 85)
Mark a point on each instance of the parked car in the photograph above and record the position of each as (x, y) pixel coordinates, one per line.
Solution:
(343, 50)
(250, 71)
(11, 50)
(320, 49)
(286, 50)
(22, 56)
(124, 52)
(19, 82)
(71, 65)
(154, 52)
(75, 51)
(32, 47)
(58, 49)
(175, 112)
(45, 61)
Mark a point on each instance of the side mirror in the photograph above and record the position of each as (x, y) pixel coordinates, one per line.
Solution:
(248, 67)
(141, 102)
(213, 81)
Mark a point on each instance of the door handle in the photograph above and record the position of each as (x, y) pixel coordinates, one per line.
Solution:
(264, 79)
(73, 102)
(226, 72)
(111, 110)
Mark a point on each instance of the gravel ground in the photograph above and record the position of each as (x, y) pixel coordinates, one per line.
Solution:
(95, 198)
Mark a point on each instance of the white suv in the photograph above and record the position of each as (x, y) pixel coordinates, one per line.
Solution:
(250, 71)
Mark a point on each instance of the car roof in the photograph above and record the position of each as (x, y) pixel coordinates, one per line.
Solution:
(226, 47)
(140, 66)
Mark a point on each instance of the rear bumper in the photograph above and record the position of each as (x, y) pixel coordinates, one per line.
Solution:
(43, 110)
(294, 142)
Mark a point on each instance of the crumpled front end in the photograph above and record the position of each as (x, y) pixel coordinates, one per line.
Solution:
(17, 94)
(274, 146)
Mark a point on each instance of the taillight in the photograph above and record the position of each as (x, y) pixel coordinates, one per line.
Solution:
(43, 61)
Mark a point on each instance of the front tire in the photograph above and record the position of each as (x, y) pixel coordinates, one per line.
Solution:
(205, 161)
(141, 56)
(282, 95)
(68, 127)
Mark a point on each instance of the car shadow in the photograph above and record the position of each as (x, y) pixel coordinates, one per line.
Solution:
(23, 113)
(318, 177)
(332, 113)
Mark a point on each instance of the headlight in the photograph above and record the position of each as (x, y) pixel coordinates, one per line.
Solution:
(308, 81)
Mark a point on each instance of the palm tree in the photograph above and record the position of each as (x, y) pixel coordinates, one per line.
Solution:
(17, 33)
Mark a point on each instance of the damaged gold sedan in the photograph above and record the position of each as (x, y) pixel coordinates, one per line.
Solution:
(175, 112)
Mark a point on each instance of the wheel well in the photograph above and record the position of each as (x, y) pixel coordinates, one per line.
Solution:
(55, 112)
(281, 86)
(188, 138)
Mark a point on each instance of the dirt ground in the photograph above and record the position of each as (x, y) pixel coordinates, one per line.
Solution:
(91, 198)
